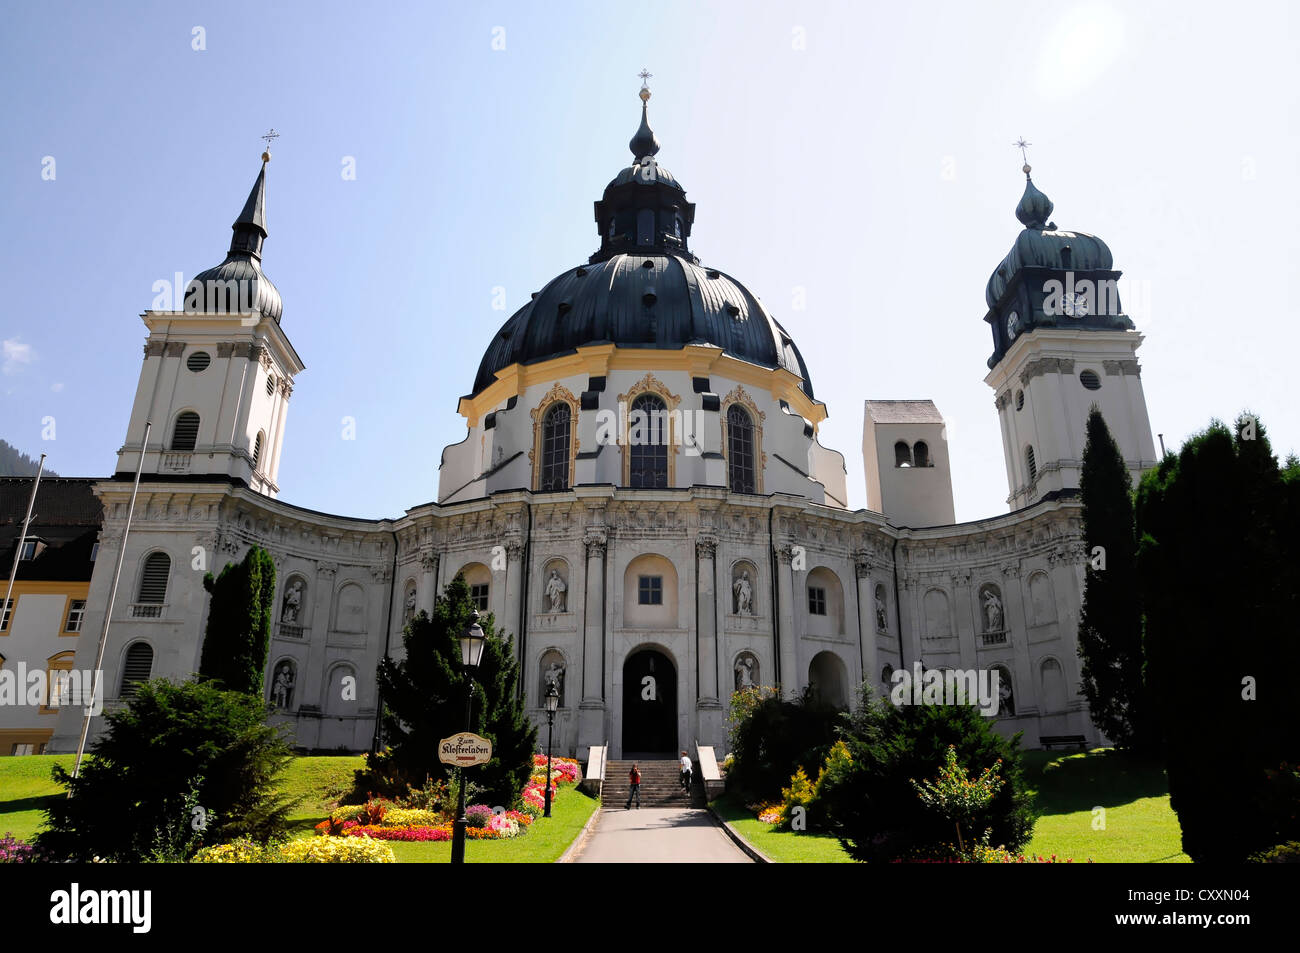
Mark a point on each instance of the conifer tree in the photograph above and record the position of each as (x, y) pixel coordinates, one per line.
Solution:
(1110, 623)
(238, 636)
(424, 700)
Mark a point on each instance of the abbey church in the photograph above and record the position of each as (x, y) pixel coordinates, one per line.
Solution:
(641, 492)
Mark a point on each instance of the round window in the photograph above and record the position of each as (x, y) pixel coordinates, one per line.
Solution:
(1090, 380)
(1020, 400)
(198, 361)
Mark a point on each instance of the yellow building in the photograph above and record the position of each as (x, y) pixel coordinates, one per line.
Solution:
(42, 623)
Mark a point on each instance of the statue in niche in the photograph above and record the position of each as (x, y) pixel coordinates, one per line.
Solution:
(882, 620)
(282, 685)
(887, 677)
(744, 594)
(292, 604)
(746, 672)
(555, 590)
(554, 675)
(1006, 699)
(409, 609)
(992, 611)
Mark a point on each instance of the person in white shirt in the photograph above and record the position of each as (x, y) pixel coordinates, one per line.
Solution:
(686, 772)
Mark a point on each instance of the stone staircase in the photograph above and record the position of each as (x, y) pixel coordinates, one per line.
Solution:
(659, 785)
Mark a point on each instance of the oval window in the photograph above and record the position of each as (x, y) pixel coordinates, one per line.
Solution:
(198, 361)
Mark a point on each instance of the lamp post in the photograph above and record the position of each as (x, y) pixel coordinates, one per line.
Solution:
(471, 653)
(552, 703)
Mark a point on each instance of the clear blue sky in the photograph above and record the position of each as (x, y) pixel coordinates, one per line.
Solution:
(872, 167)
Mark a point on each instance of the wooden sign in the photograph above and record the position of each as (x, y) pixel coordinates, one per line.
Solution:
(465, 750)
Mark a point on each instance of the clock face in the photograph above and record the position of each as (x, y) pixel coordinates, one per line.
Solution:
(1075, 305)
(1013, 325)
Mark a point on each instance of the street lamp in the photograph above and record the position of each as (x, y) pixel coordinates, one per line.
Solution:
(552, 703)
(472, 641)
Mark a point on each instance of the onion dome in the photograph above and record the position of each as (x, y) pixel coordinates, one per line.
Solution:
(643, 288)
(1043, 245)
(237, 285)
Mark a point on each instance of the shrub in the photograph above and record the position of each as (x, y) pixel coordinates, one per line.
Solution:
(1288, 853)
(774, 737)
(15, 851)
(335, 850)
(238, 635)
(478, 815)
(412, 817)
(868, 796)
(174, 748)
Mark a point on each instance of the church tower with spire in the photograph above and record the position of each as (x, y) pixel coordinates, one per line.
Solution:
(218, 370)
(1061, 343)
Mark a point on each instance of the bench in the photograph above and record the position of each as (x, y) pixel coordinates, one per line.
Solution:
(1048, 740)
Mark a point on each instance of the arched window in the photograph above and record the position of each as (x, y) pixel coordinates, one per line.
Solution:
(740, 450)
(902, 454)
(153, 584)
(1030, 464)
(136, 668)
(921, 453)
(185, 432)
(257, 449)
(555, 448)
(648, 443)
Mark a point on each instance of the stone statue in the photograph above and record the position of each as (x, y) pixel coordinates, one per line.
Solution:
(1006, 700)
(410, 605)
(555, 676)
(282, 686)
(745, 672)
(744, 594)
(292, 604)
(555, 589)
(992, 611)
(882, 621)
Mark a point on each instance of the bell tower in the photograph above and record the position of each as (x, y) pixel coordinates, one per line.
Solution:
(1061, 343)
(218, 372)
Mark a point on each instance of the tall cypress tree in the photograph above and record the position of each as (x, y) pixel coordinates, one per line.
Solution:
(424, 700)
(238, 636)
(1218, 560)
(1110, 624)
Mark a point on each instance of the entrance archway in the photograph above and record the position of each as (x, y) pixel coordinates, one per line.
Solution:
(649, 704)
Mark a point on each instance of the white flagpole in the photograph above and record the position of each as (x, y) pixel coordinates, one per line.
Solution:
(108, 612)
(18, 553)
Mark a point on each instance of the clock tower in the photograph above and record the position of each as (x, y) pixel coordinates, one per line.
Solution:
(1061, 343)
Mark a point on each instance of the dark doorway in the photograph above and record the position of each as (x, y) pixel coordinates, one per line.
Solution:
(649, 704)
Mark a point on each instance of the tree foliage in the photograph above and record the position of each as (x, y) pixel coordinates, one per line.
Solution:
(773, 737)
(238, 636)
(1110, 624)
(180, 767)
(1218, 560)
(424, 702)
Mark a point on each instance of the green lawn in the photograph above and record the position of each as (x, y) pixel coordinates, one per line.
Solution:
(25, 785)
(784, 847)
(1140, 826)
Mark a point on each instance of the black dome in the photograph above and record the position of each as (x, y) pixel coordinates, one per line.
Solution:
(660, 301)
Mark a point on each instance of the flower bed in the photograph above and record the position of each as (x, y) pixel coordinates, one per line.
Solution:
(311, 850)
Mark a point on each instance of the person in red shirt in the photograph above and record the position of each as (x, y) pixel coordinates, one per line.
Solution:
(634, 776)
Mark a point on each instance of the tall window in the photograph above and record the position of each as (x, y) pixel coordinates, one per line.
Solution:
(257, 450)
(136, 668)
(153, 586)
(76, 613)
(740, 450)
(922, 453)
(816, 600)
(1031, 464)
(902, 454)
(8, 609)
(648, 437)
(185, 432)
(555, 448)
(478, 594)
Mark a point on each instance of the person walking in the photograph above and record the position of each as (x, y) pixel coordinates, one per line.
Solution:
(634, 776)
(686, 772)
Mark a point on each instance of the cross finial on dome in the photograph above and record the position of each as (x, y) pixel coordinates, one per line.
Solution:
(644, 142)
(1022, 145)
